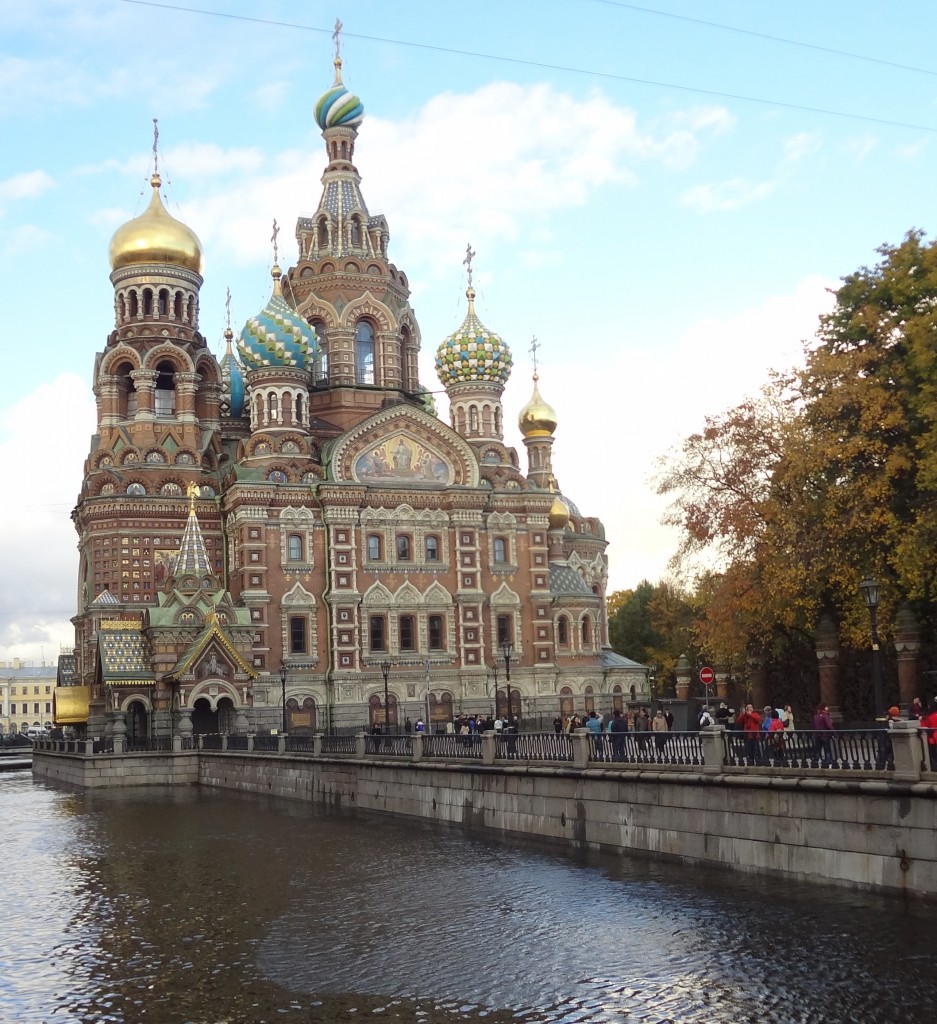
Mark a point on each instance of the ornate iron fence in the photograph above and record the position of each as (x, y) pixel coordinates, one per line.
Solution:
(148, 743)
(389, 746)
(237, 742)
(346, 743)
(267, 743)
(212, 741)
(452, 747)
(849, 750)
(676, 748)
(300, 744)
(538, 746)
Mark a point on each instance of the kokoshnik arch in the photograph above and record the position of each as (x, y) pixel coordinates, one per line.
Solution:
(299, 505)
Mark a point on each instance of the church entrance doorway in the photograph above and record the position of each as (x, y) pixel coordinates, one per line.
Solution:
(204, 719)
(138, 722)
(225, 715)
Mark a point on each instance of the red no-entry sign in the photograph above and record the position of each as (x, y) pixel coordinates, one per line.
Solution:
(706, 675)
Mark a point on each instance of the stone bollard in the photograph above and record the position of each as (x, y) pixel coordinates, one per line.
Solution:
(317, 745)
(176, 743)
(713, 742)
(224, 742)
(360, 741)
(281, 743)
(906, 746)
(250, 743)
(417, 747)
(118, 743)
(489, 746)
(89, 748)
(582, 747)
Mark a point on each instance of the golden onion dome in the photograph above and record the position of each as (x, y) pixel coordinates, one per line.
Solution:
(155, 237)
(537, 419)
(559, 513)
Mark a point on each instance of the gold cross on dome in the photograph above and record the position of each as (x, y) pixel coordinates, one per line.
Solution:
(335, 39)
(227, 308)
(273, 238)
(155, 141)
(469, 256)
(534, 345)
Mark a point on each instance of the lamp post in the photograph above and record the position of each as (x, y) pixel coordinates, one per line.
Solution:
(871, 591)
(385, 672)
(283, 693)
(494, 672)
(507, 649)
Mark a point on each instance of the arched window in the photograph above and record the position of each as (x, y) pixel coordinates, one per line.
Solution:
(323, 233)
(364, 352)
(147, 301)
(177, 306)
(585, 631)
(322, 355)
(300, 418)
(500, 550)
(562, 630)
(163, 301)
(294, 545)
(473, 419)
(134, 305)
(272, 407)
(165, 389)
(355, 231)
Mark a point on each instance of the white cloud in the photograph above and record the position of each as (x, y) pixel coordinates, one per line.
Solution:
(726, 196)
(23, 241)
(803, 144)
(43, 443)
(27, 185)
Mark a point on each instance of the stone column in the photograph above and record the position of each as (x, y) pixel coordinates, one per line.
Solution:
(144, 383)
(186, 386)
(758, 682)
(826, 640)
(682, 673)
(908, 645)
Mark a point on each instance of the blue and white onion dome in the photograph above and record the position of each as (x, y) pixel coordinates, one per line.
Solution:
(337, 107)
(473, 353)
(232, 379)
(277, 335)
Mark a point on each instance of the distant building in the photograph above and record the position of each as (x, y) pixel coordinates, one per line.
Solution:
(26, 696)
(299, 505)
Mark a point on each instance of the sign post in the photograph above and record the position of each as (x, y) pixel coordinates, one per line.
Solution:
(707, 677)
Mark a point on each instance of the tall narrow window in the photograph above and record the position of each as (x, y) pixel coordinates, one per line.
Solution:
(562, 631)
(435, 624)
(378, 634)
(505, 632)
(500, 550)
(297, 634)
(407, 633)
(404, 548)
(321, 366)
(364, 352)
(432, 549)
(295, 547)
(585, 631)
(374, 547)
(165, 389)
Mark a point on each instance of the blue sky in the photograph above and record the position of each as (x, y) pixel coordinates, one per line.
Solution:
(667, 240)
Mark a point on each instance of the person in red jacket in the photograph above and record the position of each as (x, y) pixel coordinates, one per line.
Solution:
(749, 721)
(929, 722)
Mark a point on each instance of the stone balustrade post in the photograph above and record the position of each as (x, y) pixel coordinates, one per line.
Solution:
(250, 743)
(417, 747)
(582, 747)
(713, 741)
(224, 742)
(89, 748)
(489, 747)
(118, 743)
(360, 742)
(281, 743)
(176, 743)
(317, 745)
(906, 747)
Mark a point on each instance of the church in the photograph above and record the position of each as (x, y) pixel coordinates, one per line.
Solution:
(289, 537)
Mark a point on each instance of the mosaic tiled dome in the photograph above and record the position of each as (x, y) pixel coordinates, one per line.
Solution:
(232, 397)
(337, 106)
(473, 353)
(277, 335)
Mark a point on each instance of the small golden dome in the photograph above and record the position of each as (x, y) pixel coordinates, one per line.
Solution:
(155, 237)
(559, 513)
(537, 419)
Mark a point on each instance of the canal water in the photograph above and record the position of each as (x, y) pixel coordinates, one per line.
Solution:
(175, 906)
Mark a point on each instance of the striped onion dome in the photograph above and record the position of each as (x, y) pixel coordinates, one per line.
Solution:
(277, 335)
(473, 353)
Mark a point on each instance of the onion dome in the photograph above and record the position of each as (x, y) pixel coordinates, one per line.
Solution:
(277, 335)
(337, 107)
(559, 513)
(537, 419)
(155, 237)
(473, 353)
(232, 401)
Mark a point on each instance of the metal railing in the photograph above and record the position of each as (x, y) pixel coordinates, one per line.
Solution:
(849, 750)
(267, 743)
(677, 748)
(448, 746)
(340, 744)
(389, 746)
(535, 746)
(237, 741)
(147, 743)
(212, 741)
(299, 744)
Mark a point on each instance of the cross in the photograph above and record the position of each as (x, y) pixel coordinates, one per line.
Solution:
(534, 345)
(227, 308)
(469, 256)
(155, 140)
(336, 40)
(273, 238)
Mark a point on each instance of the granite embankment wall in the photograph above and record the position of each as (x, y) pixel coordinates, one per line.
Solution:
(870, 833)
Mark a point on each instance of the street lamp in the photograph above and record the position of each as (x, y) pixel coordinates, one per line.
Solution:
(507, 649)
(494, 672)
(385, 672)
(283, 693)
(871, 591)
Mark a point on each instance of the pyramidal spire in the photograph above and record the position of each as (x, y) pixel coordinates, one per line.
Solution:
(192, 559)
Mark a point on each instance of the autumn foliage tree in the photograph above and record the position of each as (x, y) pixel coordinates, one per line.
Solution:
(786, 501)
